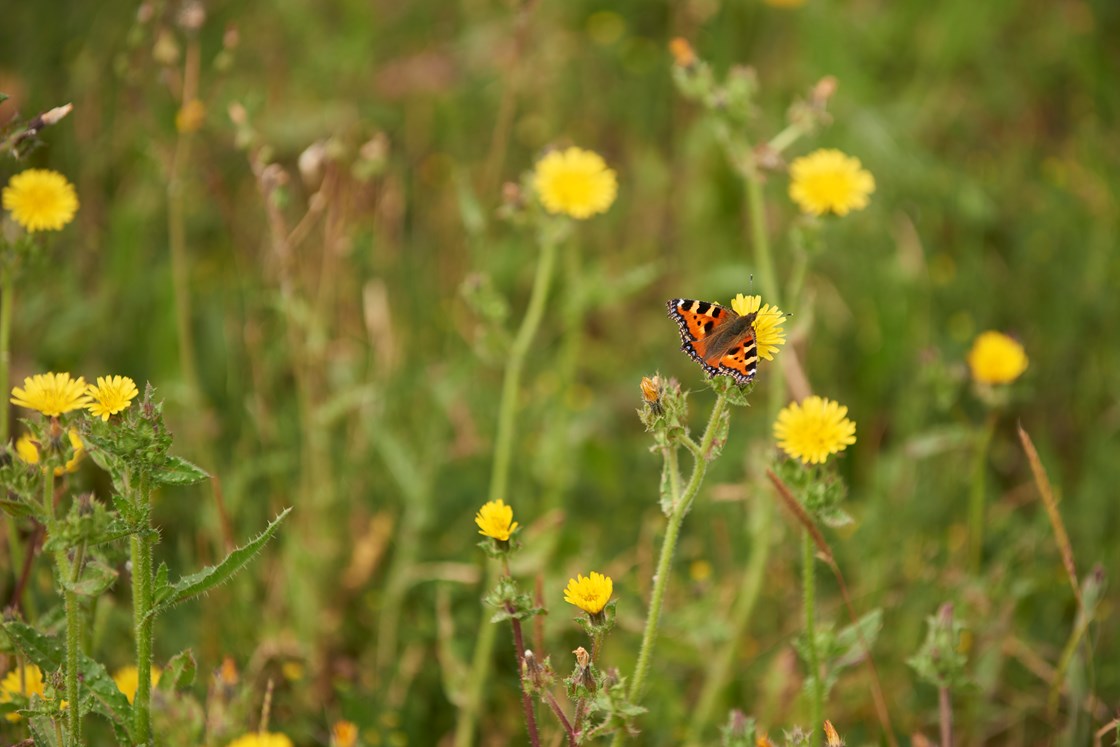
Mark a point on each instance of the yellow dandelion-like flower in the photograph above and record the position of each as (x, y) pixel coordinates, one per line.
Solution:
(575, 182)
(51, 393)
(590, 593)
(40, 200)
(262, 739)
(344, 734)
(30, 684)
(111, 395)
(27, 449)
(128, 680)
(827, 181)
(495, 519)
(996, 358)
(814, 430)
(768, 332)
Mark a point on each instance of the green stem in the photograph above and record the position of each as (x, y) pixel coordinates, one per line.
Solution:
(511, 384)
(180, 267)
(760, 240)
(141, 546)
(976, 498)
(719, 672)
(7, 290)
(499, 481)
(73, 611)
(816, 699)
(668, 547)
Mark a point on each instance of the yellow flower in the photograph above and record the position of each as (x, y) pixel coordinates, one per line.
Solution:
(128, 679)
(589, 593)
(40, 200)
(768, 332)
(262, 739)
(32, 684)
(996, 358)
(28, 450)
(826, 180)
(51, 394)
(495, 519)
(814, 429)
(344, 734)
(190, 117)
(111, 395)
(576, 182)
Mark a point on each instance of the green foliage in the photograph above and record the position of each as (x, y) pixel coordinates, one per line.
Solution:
(940, 661)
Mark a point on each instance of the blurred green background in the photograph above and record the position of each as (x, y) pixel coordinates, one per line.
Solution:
(342, 373)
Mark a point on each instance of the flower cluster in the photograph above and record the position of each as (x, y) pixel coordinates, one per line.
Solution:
(55, 394)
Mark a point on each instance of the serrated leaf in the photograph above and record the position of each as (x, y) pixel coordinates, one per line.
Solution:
(43, 732)
(16, 508)
(216, 575)
(179, 672)
(96, 579)
(99, 694)
(178, 471)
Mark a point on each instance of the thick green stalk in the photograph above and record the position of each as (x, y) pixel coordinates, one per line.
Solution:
(499, 481)
(141, 546)
(976, 498)
(665, 561)
(760, 241)
(816, 696)
(719, 672)
(7, 289)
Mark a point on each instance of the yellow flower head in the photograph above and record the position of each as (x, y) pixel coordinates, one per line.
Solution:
(575, 182)
(51, 393)
(111, 395)
(28, 450)
(344, 734)
(996, 358)
(495, 519)
(128, 679)
(589, 593)
(826, 181)
(40, 200)
(768, 332)
(12, 684)
(814, 429)
(261, 739)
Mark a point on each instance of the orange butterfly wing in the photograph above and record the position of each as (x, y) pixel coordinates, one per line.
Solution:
(697, 320)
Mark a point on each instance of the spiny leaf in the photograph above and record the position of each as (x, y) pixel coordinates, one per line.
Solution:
(179, 672)
(96, 579)
(178, 471)
(215, 575)
(99, 694)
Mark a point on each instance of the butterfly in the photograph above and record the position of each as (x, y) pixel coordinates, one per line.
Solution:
(717, 338)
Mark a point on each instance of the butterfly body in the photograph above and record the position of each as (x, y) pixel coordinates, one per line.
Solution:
(721, 341)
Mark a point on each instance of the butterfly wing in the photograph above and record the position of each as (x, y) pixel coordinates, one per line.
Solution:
(733, 352)
(741, 360)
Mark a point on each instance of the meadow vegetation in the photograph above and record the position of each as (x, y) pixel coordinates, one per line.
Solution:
(343, 395)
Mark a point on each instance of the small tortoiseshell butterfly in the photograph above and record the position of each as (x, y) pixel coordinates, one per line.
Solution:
(717, 338)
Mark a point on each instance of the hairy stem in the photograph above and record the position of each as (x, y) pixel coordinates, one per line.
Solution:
(681, 507)
(808, 593)
(719, 673)
(141, 546)
(7, 290)
(499, 480)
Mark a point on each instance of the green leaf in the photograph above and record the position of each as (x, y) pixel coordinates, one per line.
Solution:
(3, 97)
(42, 731)
(178, 471)
(162, 587)
(16, 508)
(96, 579)
(215, 575)
(179, 673)
(99, 694)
